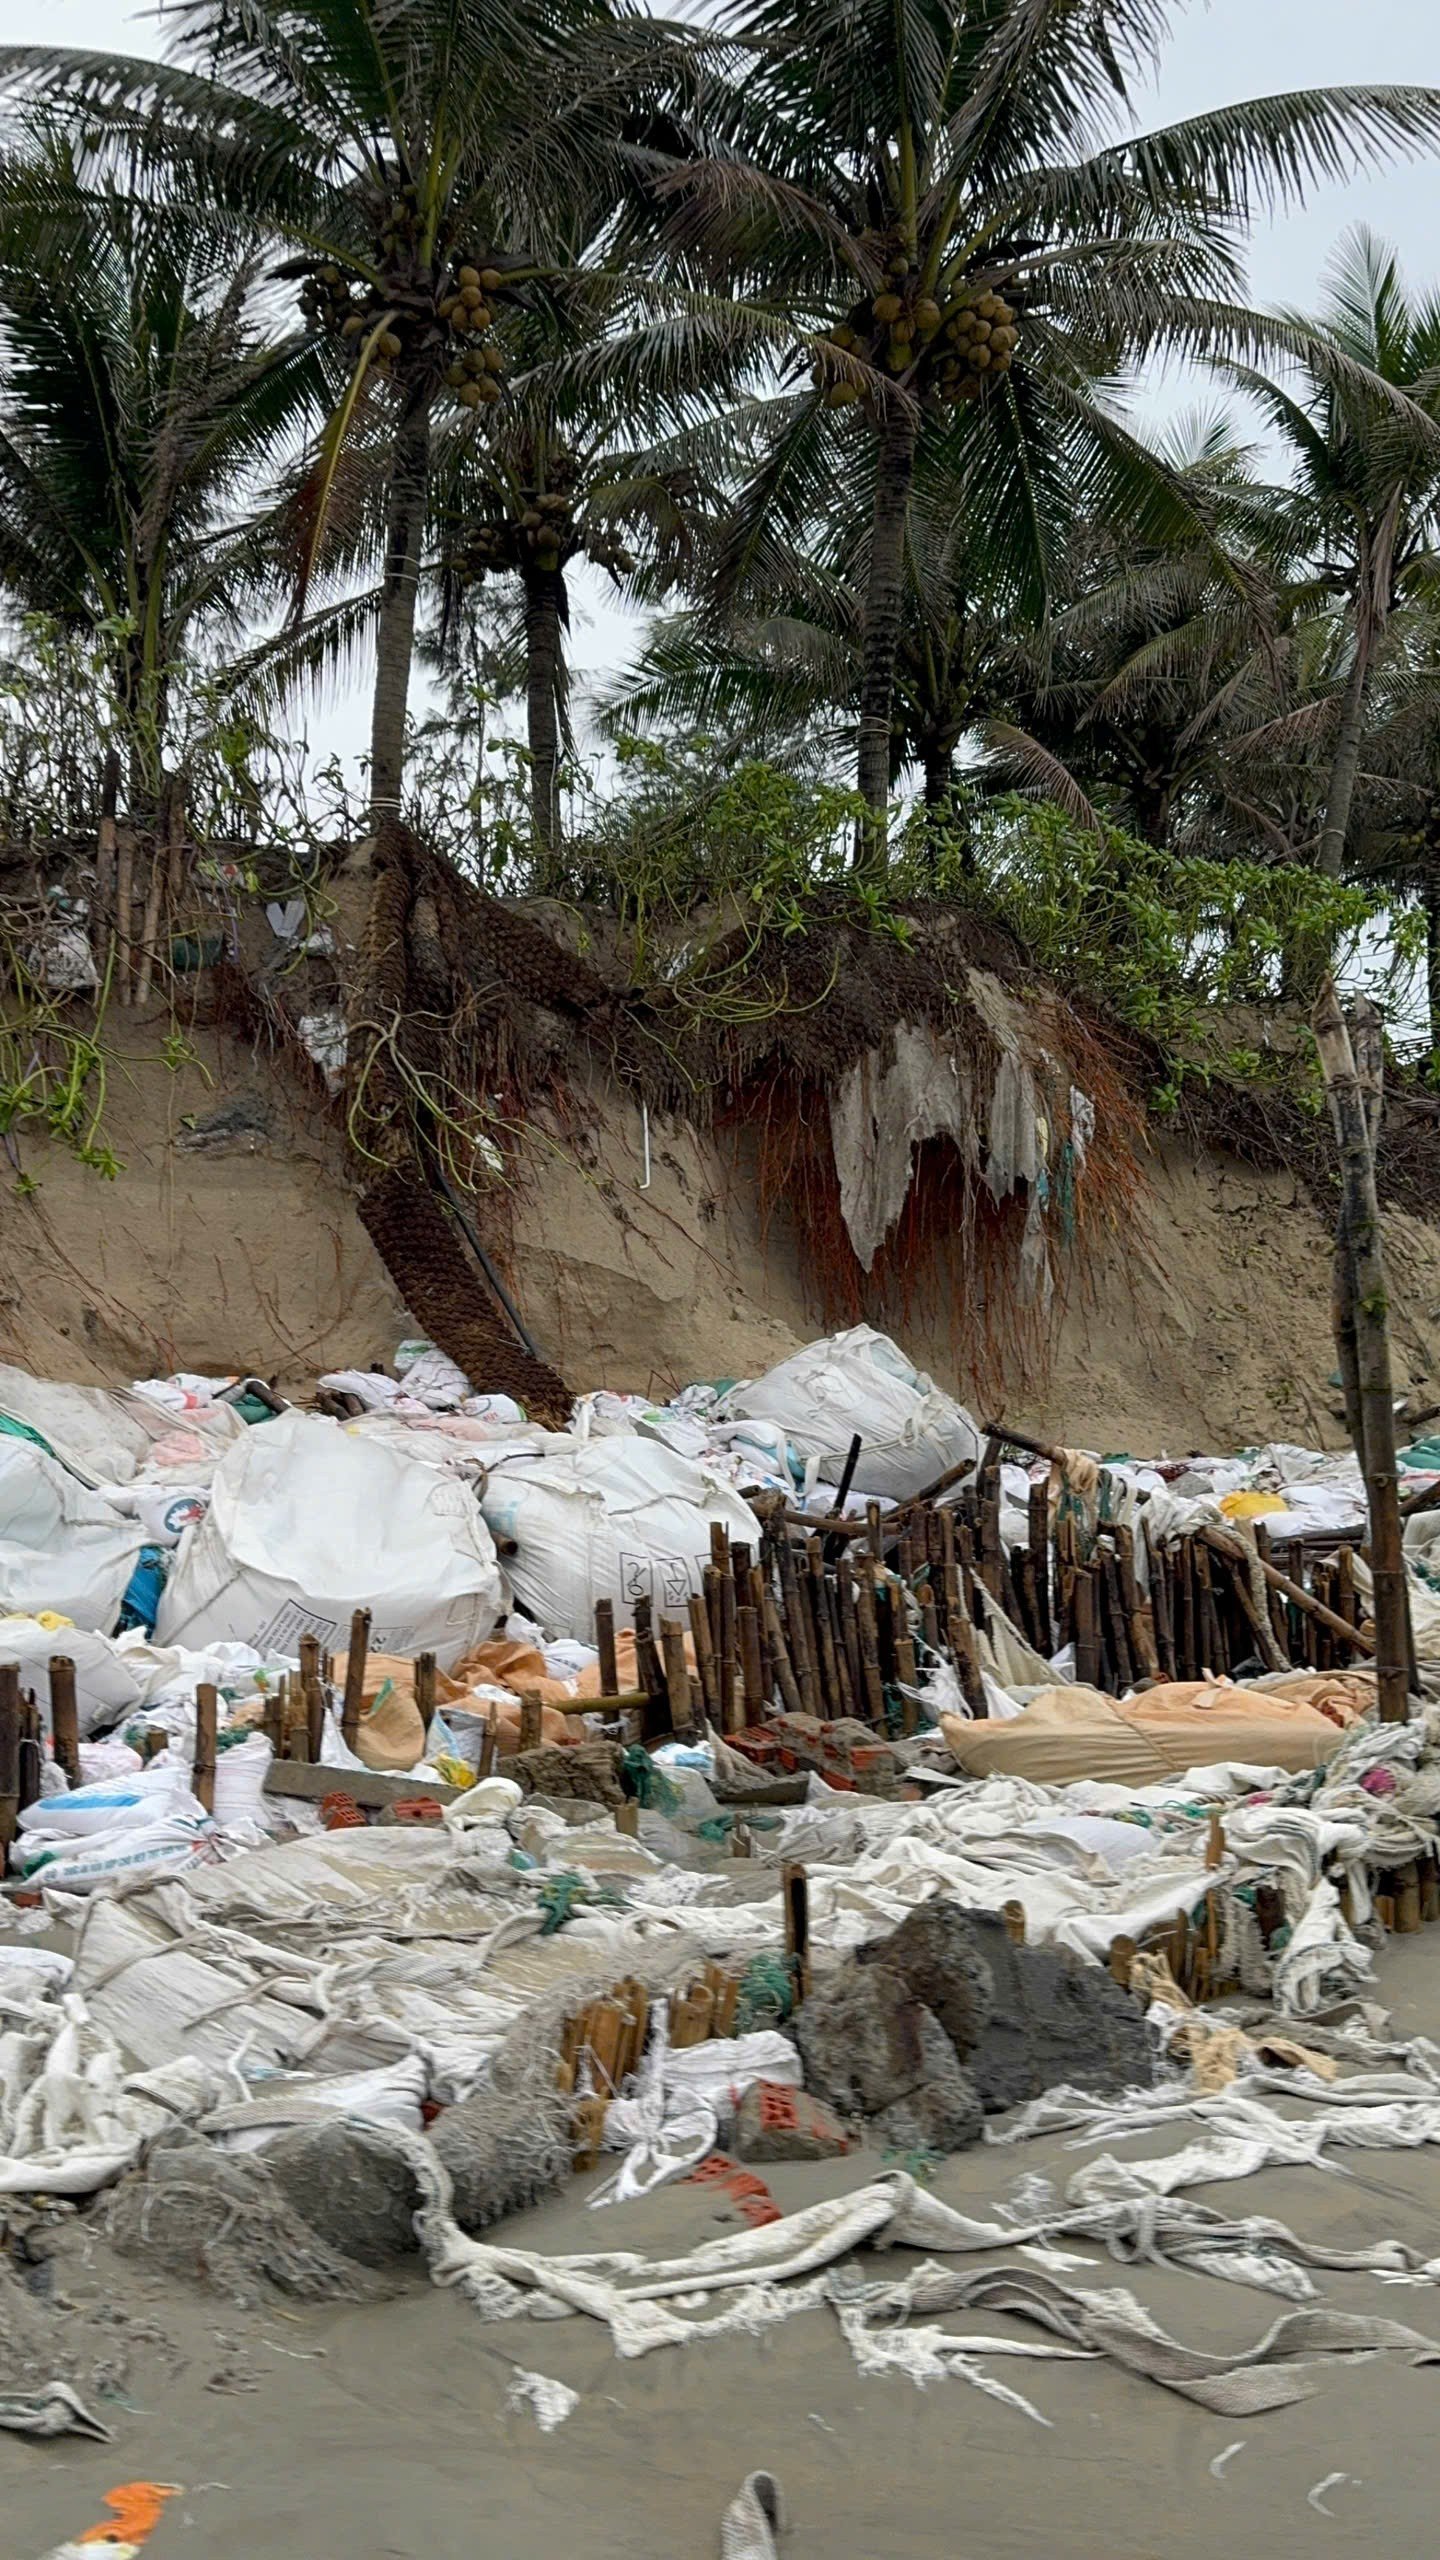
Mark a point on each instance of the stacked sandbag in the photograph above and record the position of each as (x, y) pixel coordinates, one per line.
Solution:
(911, 1432)
(620, 1519)
(309, 1523)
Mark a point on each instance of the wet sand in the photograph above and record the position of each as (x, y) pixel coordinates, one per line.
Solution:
(381, 2432)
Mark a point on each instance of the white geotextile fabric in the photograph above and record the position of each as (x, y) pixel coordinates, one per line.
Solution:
(762, 2277)
(361, 1951)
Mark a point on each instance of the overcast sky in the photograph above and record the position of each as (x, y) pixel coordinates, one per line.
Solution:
(1219, 52)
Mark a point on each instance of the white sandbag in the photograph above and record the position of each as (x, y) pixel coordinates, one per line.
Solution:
(910, 1430)
(107, 1684)
(308, 1523)
(89, 1428)
(61, 1548)
(113, 1804)
(183, 1832)
(620, 1519)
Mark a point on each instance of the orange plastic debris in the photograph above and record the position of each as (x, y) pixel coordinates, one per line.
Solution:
(136, 2507)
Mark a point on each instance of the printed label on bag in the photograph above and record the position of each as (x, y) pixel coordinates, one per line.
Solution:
(292, 1620)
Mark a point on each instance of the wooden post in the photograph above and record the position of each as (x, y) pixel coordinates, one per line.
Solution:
(829, 1669)
(1362, 1302)
(795, 1891)
(207, 1712)
(705, 1659)
(677, 1675)
(780, 1656)
(103, 929)
(124, 909)
(424, 1693)
(747, 1631)
(731, 1716)
(1040, 1565)
(1087, 1633)
(605, 1646)
(355, 1661)
(870, 1643)
(65, 1716)
(532, 1720)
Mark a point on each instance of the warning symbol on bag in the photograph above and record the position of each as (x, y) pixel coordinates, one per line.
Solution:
(674, 1577)
(634, 1577)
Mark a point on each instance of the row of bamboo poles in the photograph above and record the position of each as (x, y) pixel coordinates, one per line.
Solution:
(839, 1617)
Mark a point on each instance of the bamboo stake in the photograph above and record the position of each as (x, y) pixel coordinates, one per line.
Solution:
(424, 1691)
(1040, 1566)
(867, 1618)
(747, 1629)
(677, 1675)
(65, 1716)
(705, 1659)
(605, 1646)
(780, 1656)
(207, 1710)
(829, 1666)
(353, 1704)
(1087, 1633)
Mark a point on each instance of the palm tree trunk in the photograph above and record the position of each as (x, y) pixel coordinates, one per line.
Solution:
(544, 685)
(938, 766)
(1431, 894)
(1431, 897)
(894, 471)
(1345, 767)
(395, 643)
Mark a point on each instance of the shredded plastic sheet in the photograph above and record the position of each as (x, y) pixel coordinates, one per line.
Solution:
(766, 2275)
(753, 2520)
(550, 2402)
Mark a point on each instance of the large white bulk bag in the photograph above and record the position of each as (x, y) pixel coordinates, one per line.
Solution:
(61, 1547)
(910, 1430)
(307, 1524)
(88, 1428)
(109, 1684)
(620, 1519)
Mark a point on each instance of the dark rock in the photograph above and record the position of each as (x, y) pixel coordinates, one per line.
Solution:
(586, 1769)
(775, 2122)
(867, 2045)
(349, 2188)
(946, 2115)
(1022, 2018)
(937, 1955)
(503, 2150)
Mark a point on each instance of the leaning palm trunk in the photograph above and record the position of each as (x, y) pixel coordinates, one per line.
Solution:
(1345, 766)
(1351, 1059)
(895, 469)
(544, 685)
(395, 642)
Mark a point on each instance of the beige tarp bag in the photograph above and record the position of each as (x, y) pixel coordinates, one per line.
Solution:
(1079, 1733)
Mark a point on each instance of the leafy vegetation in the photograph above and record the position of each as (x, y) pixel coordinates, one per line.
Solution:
(381, 325)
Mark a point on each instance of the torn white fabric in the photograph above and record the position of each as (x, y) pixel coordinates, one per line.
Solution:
(550, 2402)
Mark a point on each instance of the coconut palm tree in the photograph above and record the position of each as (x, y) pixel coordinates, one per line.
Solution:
(927, 189)
(141, 406)
(1364, 497)
(601, 452)
(414, 158)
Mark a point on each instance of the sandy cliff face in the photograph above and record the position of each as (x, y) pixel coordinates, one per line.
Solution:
(229, 1241)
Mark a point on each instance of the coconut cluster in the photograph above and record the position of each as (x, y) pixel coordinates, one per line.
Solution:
(963, 346)
(545, 529)
(461, 315)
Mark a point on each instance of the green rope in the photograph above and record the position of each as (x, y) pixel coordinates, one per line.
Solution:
(649, 1786)
(560, 1897)
(766, 1995)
